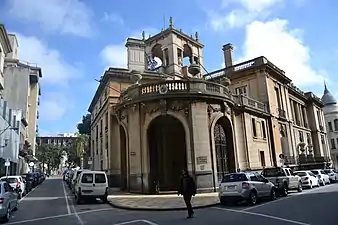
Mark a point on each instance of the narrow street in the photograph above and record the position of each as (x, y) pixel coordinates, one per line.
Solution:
(52, 204)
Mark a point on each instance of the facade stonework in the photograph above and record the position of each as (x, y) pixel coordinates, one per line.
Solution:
(149, 122)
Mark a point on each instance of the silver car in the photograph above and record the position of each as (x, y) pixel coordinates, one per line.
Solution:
(8, 201)
(245, 186)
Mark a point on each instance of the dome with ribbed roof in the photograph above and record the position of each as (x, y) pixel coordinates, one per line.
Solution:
(328, 98)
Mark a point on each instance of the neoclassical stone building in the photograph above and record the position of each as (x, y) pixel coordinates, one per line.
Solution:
(149, 122)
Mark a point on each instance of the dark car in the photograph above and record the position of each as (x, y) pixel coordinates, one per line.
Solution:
(29, 181)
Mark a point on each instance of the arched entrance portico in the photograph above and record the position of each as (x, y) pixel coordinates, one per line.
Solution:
(224, 147)
(167, 153)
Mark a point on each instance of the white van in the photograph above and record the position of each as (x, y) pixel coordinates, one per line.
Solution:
(91, 185)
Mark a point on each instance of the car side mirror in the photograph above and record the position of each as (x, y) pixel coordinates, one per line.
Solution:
(266, 180)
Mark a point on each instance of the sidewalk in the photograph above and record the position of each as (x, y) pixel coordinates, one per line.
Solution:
(160, 202)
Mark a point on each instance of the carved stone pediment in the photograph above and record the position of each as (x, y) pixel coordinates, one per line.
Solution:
(178, 106)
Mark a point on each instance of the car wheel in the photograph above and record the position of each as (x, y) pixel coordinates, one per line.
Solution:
(252, 198)
(300, 188)
(78, 199)
(285, 190)
(104, 198)
(273, 194)
(8, 215)
(16, 208)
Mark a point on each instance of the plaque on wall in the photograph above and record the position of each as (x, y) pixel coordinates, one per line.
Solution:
(202, 160)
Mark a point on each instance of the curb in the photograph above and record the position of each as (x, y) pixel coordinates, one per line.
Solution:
(159, 209)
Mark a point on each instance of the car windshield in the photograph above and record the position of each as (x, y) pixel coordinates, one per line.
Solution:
(272, 172)
(315, 172)
(301, 174)
(235, 177)
(10, 179)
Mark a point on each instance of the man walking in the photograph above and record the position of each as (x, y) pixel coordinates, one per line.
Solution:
(187, 189)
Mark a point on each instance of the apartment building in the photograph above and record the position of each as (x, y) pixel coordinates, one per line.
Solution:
(22, 91)
(297, 120)
(331, 120)
(5, 48)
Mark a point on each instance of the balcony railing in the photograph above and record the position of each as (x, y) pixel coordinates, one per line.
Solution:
(282, 113)
(198, 87)
(252, 103)
(305, 159)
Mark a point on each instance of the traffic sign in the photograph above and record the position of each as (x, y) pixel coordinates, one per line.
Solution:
(7, 164)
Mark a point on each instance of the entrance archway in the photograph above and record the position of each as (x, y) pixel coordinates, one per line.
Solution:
(167, 153)
(123, 159)
(224, 147)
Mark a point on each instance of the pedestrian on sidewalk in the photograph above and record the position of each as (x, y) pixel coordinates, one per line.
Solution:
(187, 189)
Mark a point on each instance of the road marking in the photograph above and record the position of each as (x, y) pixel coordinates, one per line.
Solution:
(66, 198)
(74, 210)
(262, 215)
(136, 221)
(24, 197)
(60, 216)
(284, 198)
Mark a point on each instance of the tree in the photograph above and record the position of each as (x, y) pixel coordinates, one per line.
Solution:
(50, 155)
(84, 126)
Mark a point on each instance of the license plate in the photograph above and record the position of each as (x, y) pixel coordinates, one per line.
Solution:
(87, 191)
(231, 187)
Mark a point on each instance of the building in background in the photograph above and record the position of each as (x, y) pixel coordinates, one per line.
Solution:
(331, 120)
(5, 49)
(22, 91)
(61, 140)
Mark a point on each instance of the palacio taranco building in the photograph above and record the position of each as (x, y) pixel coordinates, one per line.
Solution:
(152, 120)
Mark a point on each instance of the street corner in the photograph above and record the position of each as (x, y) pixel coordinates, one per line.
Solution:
(161, 202)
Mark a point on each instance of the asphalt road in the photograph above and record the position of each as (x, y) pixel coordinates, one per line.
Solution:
(52, 204)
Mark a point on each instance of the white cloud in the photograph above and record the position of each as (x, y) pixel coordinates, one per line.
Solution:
(55, 70)
(116, 55)
(283, 47)
(242, 13)
(67, 17)
(113, 18)
(54, 105)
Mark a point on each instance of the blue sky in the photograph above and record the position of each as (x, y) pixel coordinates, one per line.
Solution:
(74, 41)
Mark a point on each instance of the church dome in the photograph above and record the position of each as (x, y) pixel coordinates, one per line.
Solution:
(328, 98)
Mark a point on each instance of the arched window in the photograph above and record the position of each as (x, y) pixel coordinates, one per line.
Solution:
(335, 124)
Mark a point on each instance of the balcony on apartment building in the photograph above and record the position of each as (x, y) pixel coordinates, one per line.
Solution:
(305, 160)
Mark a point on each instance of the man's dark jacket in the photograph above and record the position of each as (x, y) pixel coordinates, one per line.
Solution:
(187, 186)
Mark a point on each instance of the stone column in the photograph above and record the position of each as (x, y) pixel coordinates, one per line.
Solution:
(201, 145)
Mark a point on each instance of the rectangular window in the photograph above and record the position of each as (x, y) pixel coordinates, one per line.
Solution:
(261, 154)
(263, 129)
(335, 124)
(330, 126)
(301, 137)
(241, 90)
(254, 130)
(87, 178)
(100, 178)
(333, 144)
(308, 137)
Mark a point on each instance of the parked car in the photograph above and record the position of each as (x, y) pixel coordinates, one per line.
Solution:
(309, 180)
(91, 185)
(29, 180)
(333, 175)
(245, 186)
(74, 179)
(8, 200)
(322, 176)
(16, 182)
(284, 179)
